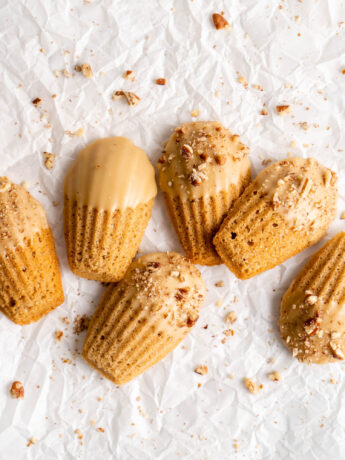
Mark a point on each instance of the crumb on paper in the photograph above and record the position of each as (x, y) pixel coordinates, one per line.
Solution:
(258, 87)
(161, 81)
(78, 433)
(219, 283)
(49, 159)
(65, 73)
(283, 109)
(264, 112)
(293, 144)
(231, 317)
(100, 429)
(132, 98)
(332, 381)
(288, 85)
(253, 387)
(201, 370)
(229, 332)
(65, 319)
(85, 69)
(274, 376)
(25, 185)
(343, 71)
(241, 79)
(78, 133)
(129, 75)
(80, 324)
(37, 101)
(342, 215)
(304, 125)
(220, 22)
(219, 302)
(32, 440)
(17, 390)
(195, 113)
(58, 335)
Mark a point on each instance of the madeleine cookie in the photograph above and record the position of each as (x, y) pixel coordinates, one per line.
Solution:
(144, 317)
(312, 313)
(30, 281)
(287, 208)
(202, 170)
(109, 194)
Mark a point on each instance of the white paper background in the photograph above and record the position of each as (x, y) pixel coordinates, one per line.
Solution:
(301, 417)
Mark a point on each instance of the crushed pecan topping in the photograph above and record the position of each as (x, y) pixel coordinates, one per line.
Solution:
(201, 370)
(186, 151)
(231, 317)
(37, 101)
(283, 109)
(49, 159)
(161, 81)
(220, 159)
(274, 376)
(129, 75)
(220, 22)
(17, 390)
(253, 387)
(85, 69)
(132, 98)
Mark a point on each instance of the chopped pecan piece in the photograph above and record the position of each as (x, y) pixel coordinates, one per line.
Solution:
(220, 22)
(186, 151)
(201, 370)
(37, 101)
(283, 109)
(161, 81)
(17, 390)
(132, 98)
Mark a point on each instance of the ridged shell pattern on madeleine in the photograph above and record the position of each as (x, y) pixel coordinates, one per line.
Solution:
(288, 207)
(312, 314)
(144, 317)
(109, 194)
(30, 281)
(202, 170)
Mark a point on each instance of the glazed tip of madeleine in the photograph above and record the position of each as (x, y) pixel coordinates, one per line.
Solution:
(109, 194)
(287, 208)
(202, 170)
(144, 317)
(30, 281)
(312, 313)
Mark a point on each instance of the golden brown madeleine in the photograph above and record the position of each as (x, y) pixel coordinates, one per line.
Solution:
(203, 169)
(288, 207)
(312, 313)
(109, 194)
(30, 281)
(144, 317)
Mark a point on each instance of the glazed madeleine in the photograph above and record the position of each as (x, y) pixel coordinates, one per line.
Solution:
(144, 317)
(203, 169)
(30, 281)
(312, 313)
(109, 194)
(287, 208)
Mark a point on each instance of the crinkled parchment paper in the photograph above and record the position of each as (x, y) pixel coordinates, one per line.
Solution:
(295, 51)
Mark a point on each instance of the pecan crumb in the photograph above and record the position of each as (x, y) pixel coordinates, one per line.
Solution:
(100, 429)
(266, 161)
(253, 387)
(132, 98)
(220, 159)
(220, 22)
(195, 113)
(80, 324)
(129, 75)
(31, 441)
(274, 376)
(85, 69)
(219, 283)
(37, 101)
(283, 109)
(65, 320)
(264, 112)
(243, 81)
(49, 159)
(304, 125)
(231, 317)
(58, 335)
(342, 215)
(17, 390)
(161, 81)
(343, 71)
(201, 370)
(78, 133)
